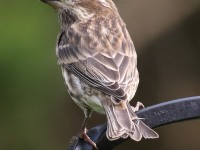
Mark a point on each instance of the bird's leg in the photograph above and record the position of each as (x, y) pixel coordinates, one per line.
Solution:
(137, 106)
(83, 134)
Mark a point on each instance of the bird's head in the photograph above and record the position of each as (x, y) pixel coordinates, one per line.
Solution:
(81, 9)
(71, 11)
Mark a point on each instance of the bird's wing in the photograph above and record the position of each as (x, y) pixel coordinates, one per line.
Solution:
(108, 64)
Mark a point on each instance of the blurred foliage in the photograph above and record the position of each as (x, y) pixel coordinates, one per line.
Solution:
(31, 83)
(35, 109)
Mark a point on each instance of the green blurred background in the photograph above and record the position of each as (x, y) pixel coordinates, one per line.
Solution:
(36, 112)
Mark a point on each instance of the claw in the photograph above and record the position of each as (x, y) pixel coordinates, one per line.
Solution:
(86, 138)
(84, 130)
(137, 106)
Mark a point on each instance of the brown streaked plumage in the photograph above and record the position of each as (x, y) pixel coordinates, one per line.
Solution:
(99, 64)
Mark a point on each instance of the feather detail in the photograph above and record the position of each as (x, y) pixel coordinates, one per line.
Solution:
(123, 123)
(99, 65)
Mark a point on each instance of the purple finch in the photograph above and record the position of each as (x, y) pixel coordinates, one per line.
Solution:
(99, 65)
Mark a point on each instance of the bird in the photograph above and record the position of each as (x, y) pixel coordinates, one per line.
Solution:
(99, 65)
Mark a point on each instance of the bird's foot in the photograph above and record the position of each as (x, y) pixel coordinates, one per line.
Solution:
(86, 138)
(138, 106)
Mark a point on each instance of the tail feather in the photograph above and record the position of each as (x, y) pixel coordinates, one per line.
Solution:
(136, 135)
(123, 123)
(117, 127)
(147, 132)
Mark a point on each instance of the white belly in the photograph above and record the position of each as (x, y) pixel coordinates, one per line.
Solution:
(83, 95)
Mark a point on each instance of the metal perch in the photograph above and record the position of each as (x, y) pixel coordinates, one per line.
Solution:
(155, 116)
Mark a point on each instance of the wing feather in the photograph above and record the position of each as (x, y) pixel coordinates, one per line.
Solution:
(109, 70)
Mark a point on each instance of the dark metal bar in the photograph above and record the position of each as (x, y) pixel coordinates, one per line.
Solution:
(154, 116)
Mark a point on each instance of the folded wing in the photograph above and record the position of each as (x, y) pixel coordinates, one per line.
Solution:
(107, 63)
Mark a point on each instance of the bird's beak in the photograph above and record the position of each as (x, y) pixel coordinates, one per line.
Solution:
(54, 3)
